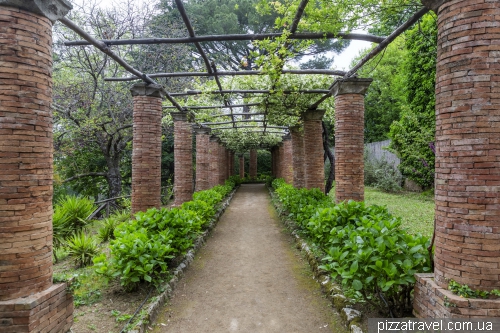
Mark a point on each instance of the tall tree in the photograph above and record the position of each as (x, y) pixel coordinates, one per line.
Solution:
(218, 17)
(413, 134)
(93, 117)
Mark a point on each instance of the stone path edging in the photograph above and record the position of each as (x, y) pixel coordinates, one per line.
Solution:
(351, 317)
(155, 307)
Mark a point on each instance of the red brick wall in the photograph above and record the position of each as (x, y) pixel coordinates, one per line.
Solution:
(253, 164)
(222, 164)
(26, 153)
(49, 311)
(313, 150)
(349, 138)
(202, 159)
(146, 152)
(468, 144)
(288, 160)
(279, 161)
(431, 301)
(242, 166)
(183, 159)
(298, 157)
(213, 177)
(349, 145)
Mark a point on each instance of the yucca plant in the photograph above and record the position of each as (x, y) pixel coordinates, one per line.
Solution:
(82, 248)
(69, 217)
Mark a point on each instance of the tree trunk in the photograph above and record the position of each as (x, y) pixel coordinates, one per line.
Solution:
(331, 158)
(114, 177)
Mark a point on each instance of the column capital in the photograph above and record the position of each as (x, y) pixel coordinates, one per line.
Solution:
(181, 116)
(143, 89)
(313, 114)
(51, 9)
(214, 138)
(350, 86)
(287, 137)
(433, 4)
(201, 130)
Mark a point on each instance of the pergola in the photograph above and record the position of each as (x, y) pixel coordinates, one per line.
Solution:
(467, 149)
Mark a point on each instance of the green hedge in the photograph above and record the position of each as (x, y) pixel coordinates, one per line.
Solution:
(143, 247)
(365, 248)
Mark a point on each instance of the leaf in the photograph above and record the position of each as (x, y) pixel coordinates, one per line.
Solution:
(357, 285)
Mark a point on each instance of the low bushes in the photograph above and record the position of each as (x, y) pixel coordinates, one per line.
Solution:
(363, 246)
(144, 247)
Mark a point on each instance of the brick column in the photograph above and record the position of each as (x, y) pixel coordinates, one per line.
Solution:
(146, 146)
(253, 164)
(183, 158)
(202, 158)
(231, 163)
(242, 166)
(349, 138)
(213, 176)
(222, 164)
(467, 178)
(313, 150)
(298, 156)
(279, 160)
(287, 159)
(26, 151)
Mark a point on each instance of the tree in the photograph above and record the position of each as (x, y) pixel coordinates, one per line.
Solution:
(385, 96)
(413, 134)
(93, 118)
(218, 17)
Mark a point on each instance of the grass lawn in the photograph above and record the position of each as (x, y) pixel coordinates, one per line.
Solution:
(415, 209)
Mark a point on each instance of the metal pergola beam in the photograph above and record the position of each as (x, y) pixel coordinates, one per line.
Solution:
(232, 37)
(231, 73)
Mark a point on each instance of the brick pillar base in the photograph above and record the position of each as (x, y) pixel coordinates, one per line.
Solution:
(253, 164)
(242, 166)
(313, 150)
(146, 147)
(202, 158)
(349, 138)
(298, 157)
(287, 159)
(29, 302)
(183, 158)
(467, 180)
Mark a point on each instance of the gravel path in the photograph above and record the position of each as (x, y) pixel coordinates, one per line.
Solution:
(248, 278)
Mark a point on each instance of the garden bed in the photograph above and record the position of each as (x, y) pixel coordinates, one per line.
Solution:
(102, 306)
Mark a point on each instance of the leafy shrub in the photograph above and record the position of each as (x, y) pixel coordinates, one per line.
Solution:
(365, 247)
(106, 232)
(381, 174)
(376, 258)
(143, 248)
(82, 248)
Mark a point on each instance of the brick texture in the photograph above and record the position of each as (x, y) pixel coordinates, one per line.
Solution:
(431, 301)
(349, 138)
(313, 150)
(222, 161)
(279, 161)
(26, 154)
(287, 160)
(253, 164)
(231, 163)
(468, 144)
(298, 156)
(242, 166)
(213, 151)
(146, 153)
(49, 311)
(183, 159)
(202, 158)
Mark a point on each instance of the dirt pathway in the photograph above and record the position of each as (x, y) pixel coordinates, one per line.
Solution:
(248, 278)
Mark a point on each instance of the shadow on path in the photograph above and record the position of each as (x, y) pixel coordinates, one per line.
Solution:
(248, 278)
